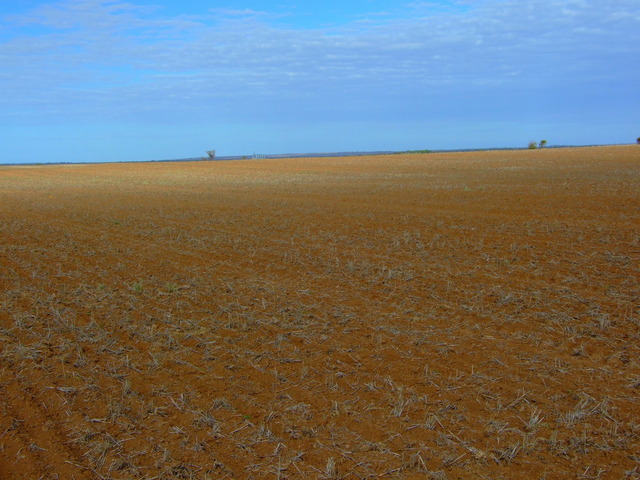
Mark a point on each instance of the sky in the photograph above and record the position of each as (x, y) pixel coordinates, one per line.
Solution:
(135, 80)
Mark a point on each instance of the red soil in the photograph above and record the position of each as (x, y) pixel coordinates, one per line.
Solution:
(464, 315)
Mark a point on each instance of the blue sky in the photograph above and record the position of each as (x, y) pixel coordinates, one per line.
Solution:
(96, 80)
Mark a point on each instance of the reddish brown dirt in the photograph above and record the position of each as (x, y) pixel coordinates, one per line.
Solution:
(465, 315)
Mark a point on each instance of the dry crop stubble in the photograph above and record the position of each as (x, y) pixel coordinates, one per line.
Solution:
(410, 316)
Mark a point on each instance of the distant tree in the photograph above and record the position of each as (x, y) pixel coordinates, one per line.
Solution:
(212, 154)
(533, 145)
(543, 143)
(638, 140)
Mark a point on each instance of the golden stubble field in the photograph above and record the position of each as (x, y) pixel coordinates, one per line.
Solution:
(438, 316)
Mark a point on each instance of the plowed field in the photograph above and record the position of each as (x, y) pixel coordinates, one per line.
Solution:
(444, 316)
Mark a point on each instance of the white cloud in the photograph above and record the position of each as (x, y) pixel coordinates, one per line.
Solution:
(225, 13)
(110, 58)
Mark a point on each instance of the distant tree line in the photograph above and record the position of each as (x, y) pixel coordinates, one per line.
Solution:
(533, 145)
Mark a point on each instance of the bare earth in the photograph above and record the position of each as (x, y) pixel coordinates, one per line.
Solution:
(445, 316)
